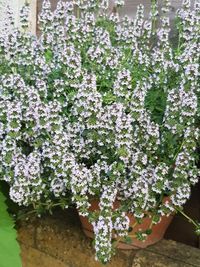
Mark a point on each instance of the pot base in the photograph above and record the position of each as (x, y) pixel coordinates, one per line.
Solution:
(157, 234)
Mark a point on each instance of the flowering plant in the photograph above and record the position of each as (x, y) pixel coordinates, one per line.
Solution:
(100, 107)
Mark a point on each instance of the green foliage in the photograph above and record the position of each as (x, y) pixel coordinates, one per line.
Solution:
(128, 240)
(156, 104)
(197, 231)
(9, 248)
(48, 55)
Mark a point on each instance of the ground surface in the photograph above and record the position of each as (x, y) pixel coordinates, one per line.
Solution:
(58, 241)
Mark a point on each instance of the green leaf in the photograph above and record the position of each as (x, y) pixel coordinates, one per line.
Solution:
(48, 55)
(108, 98)
(9, 248)
(130, 229)
(140, 236)
(156, 219)
(14, 124)
(197, 230)
(120, 167)
(128, 240)
(122, 152)
(148, 231)
(155, 102)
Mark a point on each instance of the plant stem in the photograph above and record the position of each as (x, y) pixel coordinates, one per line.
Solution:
(182, 144)
(133, 236)
(187, 217)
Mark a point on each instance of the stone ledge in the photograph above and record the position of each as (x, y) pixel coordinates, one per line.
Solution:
(58, 241)
(32, 257)
(60, 237)
(167, 253)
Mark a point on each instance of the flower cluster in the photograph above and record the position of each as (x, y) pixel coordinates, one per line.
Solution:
(101, 107)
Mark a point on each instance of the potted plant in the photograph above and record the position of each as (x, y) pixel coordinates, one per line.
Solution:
(101, 112)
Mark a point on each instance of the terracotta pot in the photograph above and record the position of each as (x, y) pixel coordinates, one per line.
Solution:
(157, 234)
